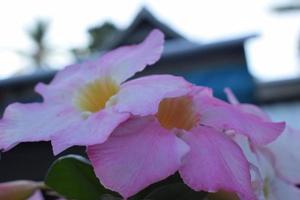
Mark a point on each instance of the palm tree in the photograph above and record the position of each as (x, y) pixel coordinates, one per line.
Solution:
(37, 35)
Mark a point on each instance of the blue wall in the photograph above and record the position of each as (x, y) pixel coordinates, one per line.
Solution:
(235, 77)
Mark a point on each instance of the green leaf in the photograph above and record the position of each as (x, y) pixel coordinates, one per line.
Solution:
(109, 197)
(175, 191)
(175, 178)
(73, 177)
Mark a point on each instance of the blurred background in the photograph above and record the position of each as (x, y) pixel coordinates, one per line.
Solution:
(251, 46)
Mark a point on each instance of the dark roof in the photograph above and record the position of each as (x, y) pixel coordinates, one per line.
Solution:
(144, 22)
(182, 47)
(287, 6)
(275, 91)
(29, 79)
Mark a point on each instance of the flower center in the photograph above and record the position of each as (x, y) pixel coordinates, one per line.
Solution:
(93, 96)
(177, 113)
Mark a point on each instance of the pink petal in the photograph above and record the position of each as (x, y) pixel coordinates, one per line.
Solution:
(67, 82)
(248, 108)
(286, 150)
(33, 122)
(219, 114)
(124, 62)
(118, 65)
(215, 163)
(257, 171)
(94, 130)
(143, 95)
(231, 97)
(37, 196)
(136, 155)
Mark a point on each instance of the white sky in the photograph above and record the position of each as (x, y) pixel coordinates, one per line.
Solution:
(273, 56)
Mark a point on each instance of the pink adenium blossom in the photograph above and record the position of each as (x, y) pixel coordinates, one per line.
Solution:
(267, 183)
(287, 158)
(278, 162)
(187, 134)
(85, 102)
(274, 186)
(285, 148)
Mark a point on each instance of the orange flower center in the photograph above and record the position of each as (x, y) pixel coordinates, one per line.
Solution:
(93, 96)
(177, 113)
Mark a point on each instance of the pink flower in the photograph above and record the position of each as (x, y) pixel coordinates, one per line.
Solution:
(186, 134)
(274, 186)
(285, 148)
(287, 158)
(268, 184)
(278, 162)
(85, 102)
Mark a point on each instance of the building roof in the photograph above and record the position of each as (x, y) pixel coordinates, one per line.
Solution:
(28, 79)
(139, 28)
(275, 91)
(175, 44)
(182, 47)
